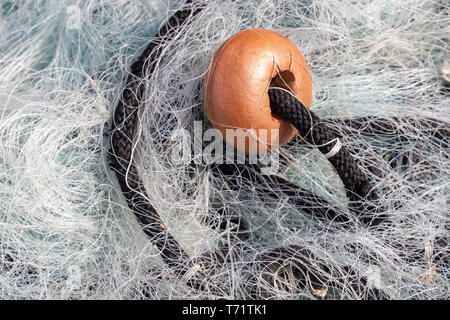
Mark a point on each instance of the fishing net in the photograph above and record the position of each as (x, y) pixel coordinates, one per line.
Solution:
(380, 74)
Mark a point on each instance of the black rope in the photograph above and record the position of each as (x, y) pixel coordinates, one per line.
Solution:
(310, 127)
(122, 137)
(310, 272)
(324, 134)
(248, 177)
(315, 132)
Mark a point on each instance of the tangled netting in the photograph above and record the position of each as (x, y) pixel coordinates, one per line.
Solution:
(67, 231)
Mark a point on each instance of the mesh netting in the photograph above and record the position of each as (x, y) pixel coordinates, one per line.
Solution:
(66, 230)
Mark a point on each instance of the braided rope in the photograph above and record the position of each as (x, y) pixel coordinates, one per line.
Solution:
(266, 184)
(310, 126)
(122, 137)
(315, 132)
(311, 271)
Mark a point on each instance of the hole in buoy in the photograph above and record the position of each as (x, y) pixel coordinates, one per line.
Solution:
(286, 80)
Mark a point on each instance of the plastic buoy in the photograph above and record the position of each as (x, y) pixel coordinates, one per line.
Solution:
(235, 91)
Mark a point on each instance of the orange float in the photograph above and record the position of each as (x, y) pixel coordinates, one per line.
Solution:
(235, 91)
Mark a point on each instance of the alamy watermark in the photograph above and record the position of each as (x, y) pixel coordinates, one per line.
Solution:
(207, 147)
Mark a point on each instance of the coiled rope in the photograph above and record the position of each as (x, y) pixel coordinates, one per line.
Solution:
(313, 130)
(122, 137)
